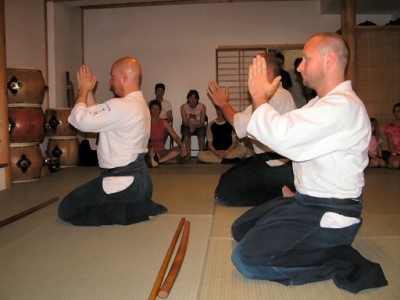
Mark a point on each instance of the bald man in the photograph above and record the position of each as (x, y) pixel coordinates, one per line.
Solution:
(307, 238)
(122, 193)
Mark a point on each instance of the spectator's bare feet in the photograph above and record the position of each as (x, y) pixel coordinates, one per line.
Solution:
(287, 192)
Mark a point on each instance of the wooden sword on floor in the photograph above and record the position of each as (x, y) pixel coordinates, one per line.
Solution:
(27, 212)
(165, 289)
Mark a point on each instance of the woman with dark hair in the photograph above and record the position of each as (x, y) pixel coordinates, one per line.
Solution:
(193, 120)
(158, 127)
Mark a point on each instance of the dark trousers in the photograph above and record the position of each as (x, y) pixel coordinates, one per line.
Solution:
(282, 241)
(89, 205)
(253, 181)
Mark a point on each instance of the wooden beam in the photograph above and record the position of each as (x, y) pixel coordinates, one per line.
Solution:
(163, 2)
(348, 32)
(4, 134)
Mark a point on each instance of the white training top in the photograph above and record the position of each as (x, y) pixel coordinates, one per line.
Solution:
(123, 125)
(282, 101)
(165, 106)
(327, 140)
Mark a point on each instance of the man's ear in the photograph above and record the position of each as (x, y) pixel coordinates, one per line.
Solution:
(331, 59)
(124, 77)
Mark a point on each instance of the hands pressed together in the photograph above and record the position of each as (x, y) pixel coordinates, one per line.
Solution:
(259, 87)
(86, 81)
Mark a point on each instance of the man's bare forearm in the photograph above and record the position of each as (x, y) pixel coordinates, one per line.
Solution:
(229, 112)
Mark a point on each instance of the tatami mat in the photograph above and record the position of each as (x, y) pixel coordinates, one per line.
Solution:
(379, 225)
(192, 168)
(223, 218)
(60, 261)
(30, 193)
(222, 281)
(44, 258)
(183, 194)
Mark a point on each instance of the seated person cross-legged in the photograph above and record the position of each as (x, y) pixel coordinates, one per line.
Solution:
(158, 127)
(193, 121)
(222, 142)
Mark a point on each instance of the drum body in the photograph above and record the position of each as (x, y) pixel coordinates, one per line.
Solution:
(25, 86)
(65, 148)
(26, 162)
(26, 124)
(56, 120)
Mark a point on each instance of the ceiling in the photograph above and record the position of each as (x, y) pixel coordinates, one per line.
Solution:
(327, 6)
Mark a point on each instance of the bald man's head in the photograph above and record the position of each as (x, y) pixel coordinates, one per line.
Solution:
(328, 41)
(126, 76)
(131, 66)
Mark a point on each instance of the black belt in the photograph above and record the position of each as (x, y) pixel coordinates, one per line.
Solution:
(348, 201)
(115, 170)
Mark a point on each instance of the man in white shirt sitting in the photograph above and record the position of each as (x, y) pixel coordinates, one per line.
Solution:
(307, 238)
(122, 193)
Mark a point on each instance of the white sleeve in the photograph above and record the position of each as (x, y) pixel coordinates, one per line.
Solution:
(240, 122)
(100, 117)
(166, 105)
(311, 131)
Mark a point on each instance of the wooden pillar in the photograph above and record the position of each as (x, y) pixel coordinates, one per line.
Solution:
(348, 32)
(4, 134)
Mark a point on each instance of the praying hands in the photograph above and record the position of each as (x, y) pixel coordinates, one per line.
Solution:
(259, 87)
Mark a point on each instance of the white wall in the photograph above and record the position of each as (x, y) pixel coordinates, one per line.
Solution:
(67, 50)
(176, 44)
(25, 34)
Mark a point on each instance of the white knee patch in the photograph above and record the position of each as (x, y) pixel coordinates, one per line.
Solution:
(334, 220)
(116, 184)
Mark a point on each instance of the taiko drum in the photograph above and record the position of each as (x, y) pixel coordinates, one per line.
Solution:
(26, 123)
(56, 120)
(26, 162)
(25, 86)
(65, 148)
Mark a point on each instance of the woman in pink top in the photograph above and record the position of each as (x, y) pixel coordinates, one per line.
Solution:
(392, 132)
(157, 141)
(375, 147)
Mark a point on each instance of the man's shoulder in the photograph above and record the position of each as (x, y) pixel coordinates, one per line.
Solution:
(282, 94)
(283, 100)
(166, 105)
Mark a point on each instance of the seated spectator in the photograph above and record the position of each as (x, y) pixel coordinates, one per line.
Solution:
(375, 147)
(193, 121)
(158, 127)
(392, 132)
(222, 142)
(166, 111)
